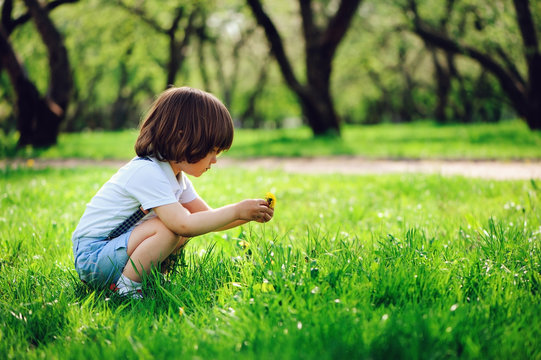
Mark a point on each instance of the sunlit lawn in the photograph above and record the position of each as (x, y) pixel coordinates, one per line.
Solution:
(383, 267)
(394, 266)
(506, 140)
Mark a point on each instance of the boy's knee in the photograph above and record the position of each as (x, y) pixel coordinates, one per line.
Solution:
(165, 232)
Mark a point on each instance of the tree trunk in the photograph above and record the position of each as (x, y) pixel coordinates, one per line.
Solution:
(443, 86)
(320, 47)
(318, 105)
(532, 54)
(318, 109)
(37, 122)
(178, 48)
(38, 118)
(533, 117)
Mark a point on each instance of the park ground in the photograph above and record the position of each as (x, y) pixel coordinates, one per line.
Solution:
(484, 169)
(404, 248)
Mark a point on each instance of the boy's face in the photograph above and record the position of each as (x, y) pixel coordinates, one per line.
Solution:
(196, 169)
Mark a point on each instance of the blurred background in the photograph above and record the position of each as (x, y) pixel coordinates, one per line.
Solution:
(71, 66)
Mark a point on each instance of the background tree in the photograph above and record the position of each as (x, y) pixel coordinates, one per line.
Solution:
(523, 91)
(382, 70)
(230, 55)
(321, 42)
(179, 32)
(38, 117)
(458, 92)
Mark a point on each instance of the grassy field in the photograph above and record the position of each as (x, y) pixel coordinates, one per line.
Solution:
(503, 141)
(408, 266)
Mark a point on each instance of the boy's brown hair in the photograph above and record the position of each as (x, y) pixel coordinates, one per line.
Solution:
(185, 124)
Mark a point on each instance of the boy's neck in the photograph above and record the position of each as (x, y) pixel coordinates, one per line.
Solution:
(176, 168)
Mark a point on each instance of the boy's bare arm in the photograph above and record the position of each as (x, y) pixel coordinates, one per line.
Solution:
(182, 222)
(199, 204)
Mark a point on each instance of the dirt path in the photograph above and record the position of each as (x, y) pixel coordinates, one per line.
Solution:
(500, 170)
(354, 165)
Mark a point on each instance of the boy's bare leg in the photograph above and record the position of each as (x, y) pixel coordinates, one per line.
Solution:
(149, 244)
(174, 259)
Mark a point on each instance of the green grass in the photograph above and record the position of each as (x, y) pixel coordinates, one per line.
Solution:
(403, 266)
(503, 141)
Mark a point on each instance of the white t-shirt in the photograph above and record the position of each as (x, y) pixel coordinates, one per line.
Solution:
(147, 183)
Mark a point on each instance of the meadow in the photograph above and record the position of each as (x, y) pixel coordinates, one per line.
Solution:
(394, 266)
(405, 266)
(508, 140)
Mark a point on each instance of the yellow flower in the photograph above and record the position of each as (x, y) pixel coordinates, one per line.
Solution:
(30, 163)
(244, 244)
(271, 199)
(267, 287)
(180, 310)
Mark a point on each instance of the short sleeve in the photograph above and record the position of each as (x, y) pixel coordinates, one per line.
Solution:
(150, 187)
(189, 193)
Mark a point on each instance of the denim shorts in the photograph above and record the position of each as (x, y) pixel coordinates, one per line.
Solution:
(98, 261)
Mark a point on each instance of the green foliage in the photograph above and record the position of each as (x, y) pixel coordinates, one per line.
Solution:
(406, 266)
(381, 72)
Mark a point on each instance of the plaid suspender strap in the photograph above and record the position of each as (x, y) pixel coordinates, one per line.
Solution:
(131, 220)
(126, 224)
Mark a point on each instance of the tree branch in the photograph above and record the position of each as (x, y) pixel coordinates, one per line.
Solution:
(7, 21)
(10, 24)
(512, 68)
(61, 81)
(527, 28)
(178, 16)
(512, 86)
(142, 15)
(311, 32)
(338, 25)
(531, 46)
(8, 59)
(277, 48)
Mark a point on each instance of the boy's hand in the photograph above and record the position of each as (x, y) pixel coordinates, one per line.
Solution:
(255, 210)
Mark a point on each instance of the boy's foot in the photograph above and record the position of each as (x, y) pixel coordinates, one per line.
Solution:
(137, 294)
(125, 292)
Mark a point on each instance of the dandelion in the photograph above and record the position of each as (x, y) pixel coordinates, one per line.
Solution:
(244, 244)
(180, 310)
(266, 286)
(271, 199)
(30, 163)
